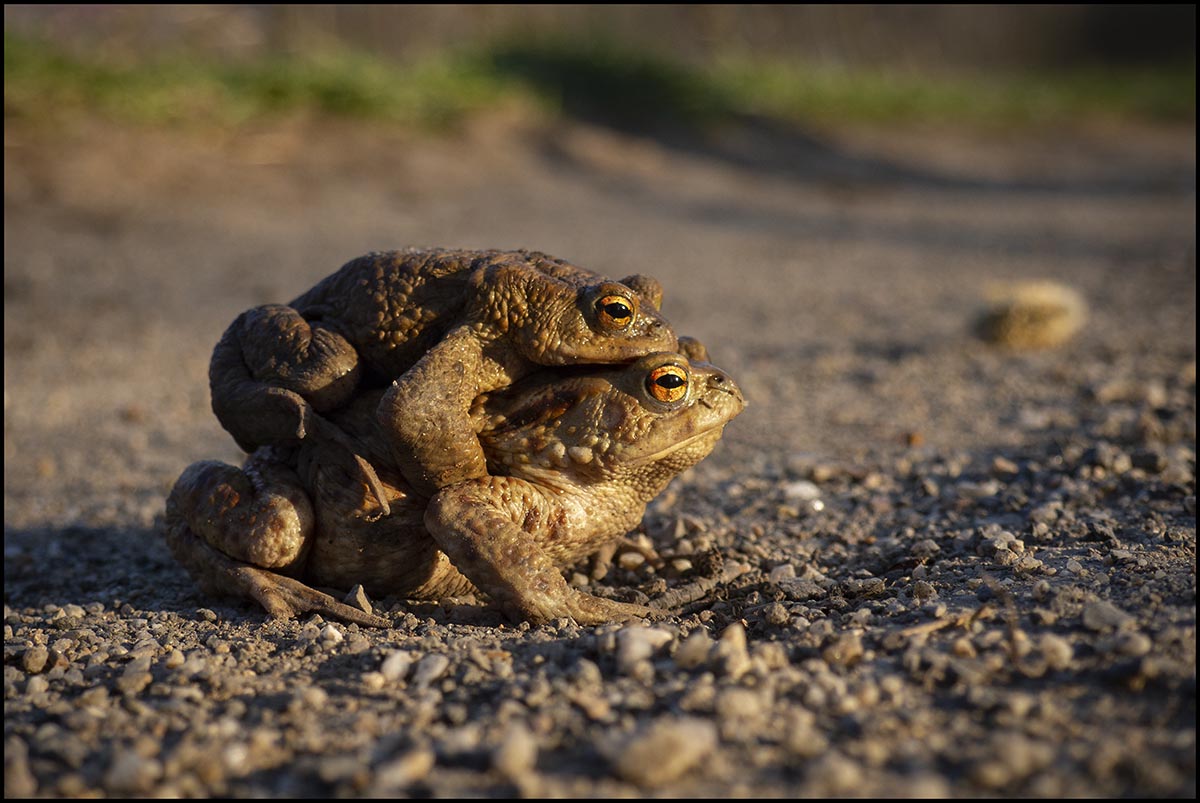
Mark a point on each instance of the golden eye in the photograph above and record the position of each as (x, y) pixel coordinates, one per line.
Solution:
(668, 383)
(615, 311)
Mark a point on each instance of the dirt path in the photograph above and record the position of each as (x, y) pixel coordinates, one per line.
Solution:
(972, 571)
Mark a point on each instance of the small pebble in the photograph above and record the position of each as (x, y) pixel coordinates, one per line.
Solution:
(630, 560)
(34, 659)
(517, 753)
(405, 769)
(1003, 467)
(93, 698)
(978, 490)
(1133, 643)
(730, 651)
(738, 703)
(133, 680)
(784, 571)
(681, 565)
(636, 643)
(309, 632)
(923, 590)
(1102, 615)
(694, 650)
(19, 781)
(963, 647)
(429, 669)
(358, 598)
(840, 774)
(312, 697)
(802, 490)
(845, 651)
(396, 665)
(777, 615)
(331, 636)
(131, 773)
(1057, 651)
(665, 750)
(802, 737)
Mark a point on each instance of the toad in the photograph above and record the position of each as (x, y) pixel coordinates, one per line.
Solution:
(442, 327)
(573, 456)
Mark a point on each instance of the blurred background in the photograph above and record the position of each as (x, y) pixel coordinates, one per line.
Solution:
(837, 199)
(976, 37)
(628, 64)
(826, 193)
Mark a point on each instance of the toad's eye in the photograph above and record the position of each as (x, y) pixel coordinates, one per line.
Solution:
(668, 383)
(614, 311)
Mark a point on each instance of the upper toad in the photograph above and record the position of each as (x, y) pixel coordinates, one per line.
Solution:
(446, 326)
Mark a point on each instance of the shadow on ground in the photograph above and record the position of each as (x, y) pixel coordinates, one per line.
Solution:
(80, 564)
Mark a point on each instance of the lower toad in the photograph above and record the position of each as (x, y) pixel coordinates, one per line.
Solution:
(573, 456)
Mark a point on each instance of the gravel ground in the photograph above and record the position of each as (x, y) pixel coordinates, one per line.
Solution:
(971, 571)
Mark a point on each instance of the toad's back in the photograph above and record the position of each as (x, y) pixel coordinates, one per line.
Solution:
(393, 305)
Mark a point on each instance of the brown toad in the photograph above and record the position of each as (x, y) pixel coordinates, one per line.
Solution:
(574, 456)
(446, 326)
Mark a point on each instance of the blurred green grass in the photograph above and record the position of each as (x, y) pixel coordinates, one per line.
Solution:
(42, 82)
(600, 81)
(1076, 96)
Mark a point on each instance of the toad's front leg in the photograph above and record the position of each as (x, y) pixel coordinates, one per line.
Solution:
(426, 413)
(241, 532)
(479, 525)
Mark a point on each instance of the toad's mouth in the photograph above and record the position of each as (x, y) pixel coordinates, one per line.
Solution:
(678, 445)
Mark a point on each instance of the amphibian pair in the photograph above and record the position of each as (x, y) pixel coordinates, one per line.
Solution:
(449, 477)
(574, 457)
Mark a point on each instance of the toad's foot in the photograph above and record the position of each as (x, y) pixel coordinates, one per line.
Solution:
(601, 561)
(587, 609)
(285, 598)
(281, 597)
(344, 453)
(693, 349)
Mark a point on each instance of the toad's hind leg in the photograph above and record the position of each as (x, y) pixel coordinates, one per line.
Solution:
(273, 373)
(259, 514)
(240, 531)
(273, 370)
(281, 597)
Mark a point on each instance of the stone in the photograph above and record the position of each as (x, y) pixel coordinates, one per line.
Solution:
(34, 659)
(396, 665)
(664, 750)
(1102, 616)
(358, 598)
(694, 650)
(429, 669)
(516, 756)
